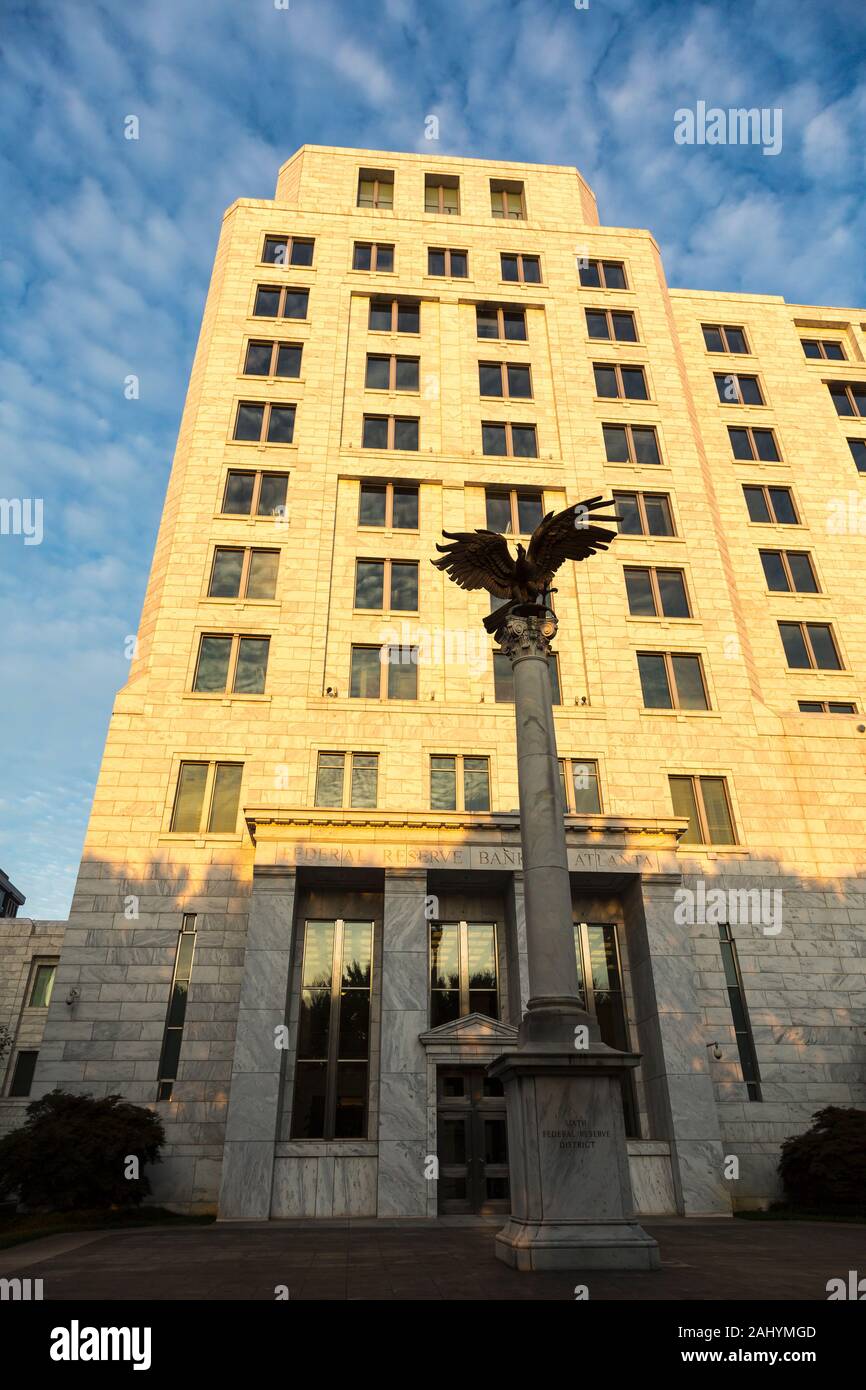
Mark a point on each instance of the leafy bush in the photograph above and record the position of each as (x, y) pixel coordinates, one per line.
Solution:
(826, 1166)
(71, 1153)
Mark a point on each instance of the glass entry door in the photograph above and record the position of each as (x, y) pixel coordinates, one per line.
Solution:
(472, 1143)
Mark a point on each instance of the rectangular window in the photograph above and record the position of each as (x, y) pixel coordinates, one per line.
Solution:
(511, 380)
(810, 646)
(442, 193)
(254, 494)
(395, 316)
(508, 440)
(464, 975)
(511, 511)
(288, 251)
(735, 389)
(789, 571)
(672, 680)
(753, 444)
(376, 188)
(644, 513)
(400, 682)
(636, 444)
(273, 359)
(600, 989)
(827, 349)
(849, 397)
(281, 302)
(390, 432)
(373, 256)
(704, 801)
(503, 678)
(238, 573)
(396, 578)
(264, 423)
(498, 321)
(722, 337)
(656, 593)
(363, 780)
(507, 199)
(22, 1073)
(578, 783)
(333, 1051)
(603, 275)
(624, 383)
(739, 1013)
(388, 505)
(234, 663)
(173, 1033)
(206, 799)
(445, 260)
(858, 453)
(42, 985)
(391, 373)
(521, 269)
(448, 771)
(611, 325)
(826, 707)
(770, 504)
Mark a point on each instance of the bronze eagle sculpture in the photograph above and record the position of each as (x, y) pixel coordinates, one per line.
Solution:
(481, 559)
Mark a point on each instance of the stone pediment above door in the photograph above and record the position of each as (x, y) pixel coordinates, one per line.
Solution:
(472, 1029)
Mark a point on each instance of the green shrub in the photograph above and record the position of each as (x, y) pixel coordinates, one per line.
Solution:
(826, 1166)
(72, 1153)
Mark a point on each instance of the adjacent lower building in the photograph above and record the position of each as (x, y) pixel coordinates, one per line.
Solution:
(298, 928)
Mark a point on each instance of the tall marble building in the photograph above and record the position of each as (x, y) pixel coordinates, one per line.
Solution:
(298, 928)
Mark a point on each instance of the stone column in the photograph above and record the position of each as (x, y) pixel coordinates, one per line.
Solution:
(571, 1198)
(402, 1187)
(252, 1124)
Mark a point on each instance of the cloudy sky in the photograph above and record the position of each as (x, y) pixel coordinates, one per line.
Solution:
(106, 248)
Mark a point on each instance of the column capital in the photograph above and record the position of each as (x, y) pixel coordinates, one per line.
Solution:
(528, 635)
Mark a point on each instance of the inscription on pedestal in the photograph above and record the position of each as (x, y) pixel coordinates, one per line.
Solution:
(576, 1135)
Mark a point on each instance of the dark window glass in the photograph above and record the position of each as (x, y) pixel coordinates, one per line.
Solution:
(329, 779)
(375, 432)
(858, 453)
(258, 361)
(406, 374)
(794, 644)
(802, 572)
(519, 383)
(584, 784)
(402, 673)
(252, 666)
(532, 270)
(654, 681)
(362, 258)
(810, 706)
(713, 339)
(22, 1076)
(493, 439)
(826, 655)
(757, 504)
(226, 573)
(408, 318)
(288, 360)
(262, 581)
(486, 322)
(615, 443)
(499, 513)
(605, 381)
(476, 784)
(272, 494)
(378, 373)
(614, 275)
(589, 275)
(624, 327)
(529, 512)
(840, 399)
(267, 304)
(626, 506)
(381, 315)
(295, 305)
(276, 251)
(406, 434)
(302, 253)
(750, 390)
(774, 571)
(489, 379)
(524, 442)
(384, 257)
(435, 262)
(736, 339)
(740, 443)
(459, 264)
(783, 506)
(404, 586)
(443, 783)
(509, 267)
(596, 324)
(842, 707)
(281, 424)
(213, 664)
(658, 514)
(689, 679)
(765, 444)
(369, 584)
(634, 384)
(248, 425)
(514, 322)
(646, 448)
(641, 603)
(684, 801)
(372, 508)
(238, 496)
(405, 508)
(672, 591)
(366, 673)
(365, 775)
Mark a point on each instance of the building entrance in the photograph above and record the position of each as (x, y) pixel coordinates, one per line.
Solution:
(472, 1143)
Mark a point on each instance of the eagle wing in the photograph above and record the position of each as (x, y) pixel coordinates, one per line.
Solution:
(478, 560)
(568, 535)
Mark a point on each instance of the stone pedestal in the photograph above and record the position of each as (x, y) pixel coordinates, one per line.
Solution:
(571, 1198)
(571, 1202)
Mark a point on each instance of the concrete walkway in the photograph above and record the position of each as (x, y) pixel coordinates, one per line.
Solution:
(428, 1260)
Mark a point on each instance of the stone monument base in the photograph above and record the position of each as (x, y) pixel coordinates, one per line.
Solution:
(571, 1199)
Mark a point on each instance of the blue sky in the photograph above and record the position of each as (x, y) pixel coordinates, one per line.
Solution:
(107, 243)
